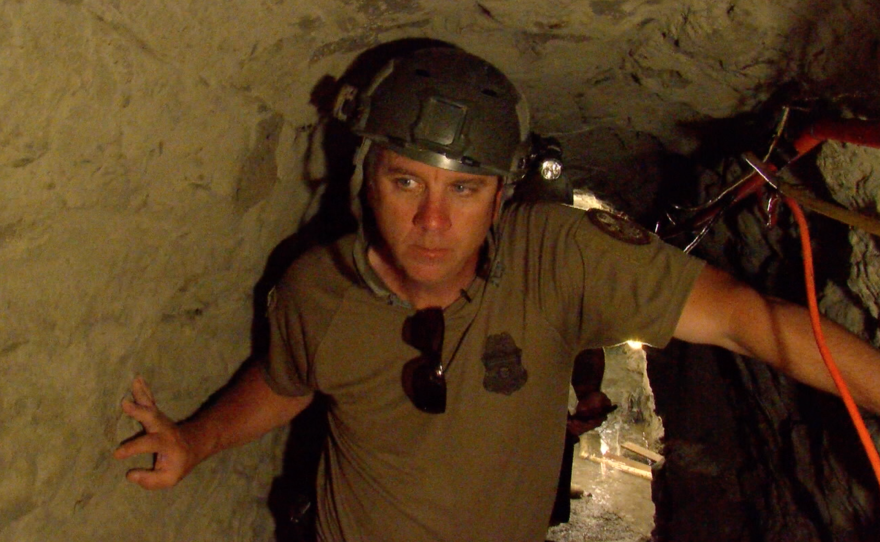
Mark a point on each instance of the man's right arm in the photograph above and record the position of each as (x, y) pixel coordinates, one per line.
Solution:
(242, 412)
(724, 312)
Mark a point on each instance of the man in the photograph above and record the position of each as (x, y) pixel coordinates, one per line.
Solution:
(443, 333)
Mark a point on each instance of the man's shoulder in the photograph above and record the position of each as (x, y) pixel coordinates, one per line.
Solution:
(543, 209)
(538, 215)
(598, 223)
(325, 266)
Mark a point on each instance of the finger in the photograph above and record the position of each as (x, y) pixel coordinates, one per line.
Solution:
(141, 392)
(135, 410)
(149, 417)
(153, 419)
(152, 479)
(144, 444)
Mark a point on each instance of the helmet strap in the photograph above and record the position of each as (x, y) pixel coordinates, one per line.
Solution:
(357, 177)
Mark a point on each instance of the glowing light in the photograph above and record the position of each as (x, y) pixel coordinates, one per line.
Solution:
(635, 345)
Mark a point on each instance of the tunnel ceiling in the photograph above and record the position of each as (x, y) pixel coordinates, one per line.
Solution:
(612, 79)
(153, 154)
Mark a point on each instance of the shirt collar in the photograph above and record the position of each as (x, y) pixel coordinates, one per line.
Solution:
(488, 270)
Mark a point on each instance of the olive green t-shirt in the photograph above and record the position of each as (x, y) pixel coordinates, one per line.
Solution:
(558, 280)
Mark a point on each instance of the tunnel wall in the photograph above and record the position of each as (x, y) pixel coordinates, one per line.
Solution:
(154, 153)
(770, 458)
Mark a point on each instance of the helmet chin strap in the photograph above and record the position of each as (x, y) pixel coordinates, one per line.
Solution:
(357, 178)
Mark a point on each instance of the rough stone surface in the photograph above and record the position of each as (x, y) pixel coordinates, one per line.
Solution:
(154, 153)
(754, 425)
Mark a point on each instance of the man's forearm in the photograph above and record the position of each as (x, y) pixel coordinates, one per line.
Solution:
(243, 411)
(795, 352)
(727, 313)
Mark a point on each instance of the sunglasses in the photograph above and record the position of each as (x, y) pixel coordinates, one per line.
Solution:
(424, 381)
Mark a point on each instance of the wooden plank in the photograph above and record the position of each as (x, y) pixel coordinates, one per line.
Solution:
(623, 464)
(642, 451)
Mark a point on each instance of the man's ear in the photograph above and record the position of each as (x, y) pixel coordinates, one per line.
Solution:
(369, 191)
(371, 160)
(499, 197)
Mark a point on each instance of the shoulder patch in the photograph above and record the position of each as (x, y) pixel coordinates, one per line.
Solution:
(619, 227)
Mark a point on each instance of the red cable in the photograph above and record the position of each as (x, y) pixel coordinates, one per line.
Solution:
(851, 407)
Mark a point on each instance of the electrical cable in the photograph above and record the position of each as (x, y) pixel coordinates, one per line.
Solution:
(848, 401)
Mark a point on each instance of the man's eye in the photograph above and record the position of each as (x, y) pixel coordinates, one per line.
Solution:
(406, 182)
(464, 189)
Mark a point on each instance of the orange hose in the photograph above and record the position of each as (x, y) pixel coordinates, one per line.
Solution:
(851, 407)
(861, 132)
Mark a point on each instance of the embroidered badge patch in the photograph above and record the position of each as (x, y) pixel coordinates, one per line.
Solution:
(503, 361)
(619, 227)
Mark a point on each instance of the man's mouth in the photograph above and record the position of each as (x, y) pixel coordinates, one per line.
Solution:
(431, 253)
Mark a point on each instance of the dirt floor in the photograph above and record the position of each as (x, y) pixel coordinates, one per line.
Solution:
(616, 506)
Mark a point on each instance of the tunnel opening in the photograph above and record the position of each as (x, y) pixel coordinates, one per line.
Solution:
(614, 464)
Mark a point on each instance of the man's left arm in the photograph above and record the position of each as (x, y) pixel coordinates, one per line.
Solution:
(724, 312)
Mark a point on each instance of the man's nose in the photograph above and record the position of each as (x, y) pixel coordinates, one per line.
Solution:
(433, 213)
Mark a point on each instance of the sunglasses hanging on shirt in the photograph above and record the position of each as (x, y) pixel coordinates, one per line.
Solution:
(424, 381)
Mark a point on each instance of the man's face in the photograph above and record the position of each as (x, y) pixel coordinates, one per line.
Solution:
(432, 221)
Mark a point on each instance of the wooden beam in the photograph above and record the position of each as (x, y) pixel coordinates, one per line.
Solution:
(642, 451)
(624, 464)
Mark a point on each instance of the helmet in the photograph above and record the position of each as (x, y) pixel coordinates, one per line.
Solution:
(446, 108)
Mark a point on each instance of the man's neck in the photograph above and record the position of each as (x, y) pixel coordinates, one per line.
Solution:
(417, 294)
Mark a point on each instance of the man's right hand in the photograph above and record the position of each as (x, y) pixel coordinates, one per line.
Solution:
(591, 412)
(174, 457)
(242, 411)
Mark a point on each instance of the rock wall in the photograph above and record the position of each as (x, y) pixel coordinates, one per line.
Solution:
(154, 153)
(770, 458)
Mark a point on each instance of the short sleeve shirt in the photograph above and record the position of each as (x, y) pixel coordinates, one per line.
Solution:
(558, 280)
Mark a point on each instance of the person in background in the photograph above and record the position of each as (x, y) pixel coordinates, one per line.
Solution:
(591, 411)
